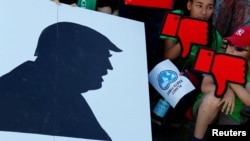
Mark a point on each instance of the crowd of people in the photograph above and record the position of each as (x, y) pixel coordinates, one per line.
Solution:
(228, 26)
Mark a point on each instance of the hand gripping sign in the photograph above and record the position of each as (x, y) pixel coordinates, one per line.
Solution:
(188, 30)
(162, 4)
(223, 67)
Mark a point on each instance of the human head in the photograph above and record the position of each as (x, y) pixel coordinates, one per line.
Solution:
(239, 43)
(201, 9)
(65, 37)
(77, 55)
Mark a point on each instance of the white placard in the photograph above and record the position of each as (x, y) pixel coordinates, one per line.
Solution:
(166, 79)
(121, 105)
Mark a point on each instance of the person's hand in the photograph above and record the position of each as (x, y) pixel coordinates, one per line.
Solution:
(105, 9)
(57, 2)
(181, 73)
(227, 102)
(74, 4)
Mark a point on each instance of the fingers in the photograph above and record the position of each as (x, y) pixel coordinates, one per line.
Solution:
(228, 108)
(57, 2)
(221, 102)
(224, 107)
(232, 108)
(74, 4)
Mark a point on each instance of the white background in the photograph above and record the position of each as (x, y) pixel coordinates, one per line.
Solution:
(122, 104)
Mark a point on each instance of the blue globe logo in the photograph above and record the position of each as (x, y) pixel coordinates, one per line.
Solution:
(166, 78)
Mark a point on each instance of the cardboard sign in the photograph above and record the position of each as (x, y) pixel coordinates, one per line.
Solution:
(65, 74)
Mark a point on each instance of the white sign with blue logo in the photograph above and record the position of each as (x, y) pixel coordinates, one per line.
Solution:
(166, 79)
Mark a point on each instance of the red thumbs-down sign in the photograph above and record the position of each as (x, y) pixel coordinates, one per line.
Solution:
(162, 4)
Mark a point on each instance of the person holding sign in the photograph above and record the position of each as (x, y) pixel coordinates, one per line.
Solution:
(106, 6)
(200, 10)
(226, 110)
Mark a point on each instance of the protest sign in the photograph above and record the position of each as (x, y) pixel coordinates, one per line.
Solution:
(32, 112)
(166, 79)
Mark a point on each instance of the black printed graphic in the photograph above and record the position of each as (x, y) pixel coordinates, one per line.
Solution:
(44, 96)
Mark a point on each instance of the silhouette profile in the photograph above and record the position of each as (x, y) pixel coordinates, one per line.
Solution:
(44, 96)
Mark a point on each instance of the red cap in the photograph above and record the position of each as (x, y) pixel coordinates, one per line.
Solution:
(240, 38)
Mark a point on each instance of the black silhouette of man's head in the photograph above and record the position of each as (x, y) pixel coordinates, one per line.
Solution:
(78, 55)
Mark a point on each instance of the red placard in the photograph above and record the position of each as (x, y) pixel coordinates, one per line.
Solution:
(162, 4)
